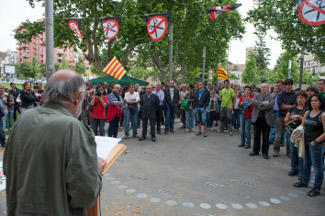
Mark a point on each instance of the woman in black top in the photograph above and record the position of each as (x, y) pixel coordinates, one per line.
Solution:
(314, 122)
(28, 97)
(296, 116)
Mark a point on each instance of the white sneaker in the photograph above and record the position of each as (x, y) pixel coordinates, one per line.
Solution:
(186, 130)
(6, 130)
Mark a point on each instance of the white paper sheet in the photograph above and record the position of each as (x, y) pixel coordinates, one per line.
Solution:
(105, 145)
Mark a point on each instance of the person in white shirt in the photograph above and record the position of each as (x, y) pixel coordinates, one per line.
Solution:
(131, 112)
(161, 97)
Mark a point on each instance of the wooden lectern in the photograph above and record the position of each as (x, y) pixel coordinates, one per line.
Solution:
(110, 159)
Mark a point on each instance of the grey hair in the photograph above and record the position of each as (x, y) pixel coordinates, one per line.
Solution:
(117, 85)
(65, 90)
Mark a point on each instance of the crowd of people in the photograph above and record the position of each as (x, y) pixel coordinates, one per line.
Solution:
(268, 115)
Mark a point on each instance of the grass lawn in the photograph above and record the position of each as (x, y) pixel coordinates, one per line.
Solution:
(24, 78)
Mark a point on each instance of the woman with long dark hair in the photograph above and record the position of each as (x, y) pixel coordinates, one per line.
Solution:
(28, 97)
(314, 123)
(293, 119)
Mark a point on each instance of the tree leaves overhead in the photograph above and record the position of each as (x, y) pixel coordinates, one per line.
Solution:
(192, 30)
(283, 19)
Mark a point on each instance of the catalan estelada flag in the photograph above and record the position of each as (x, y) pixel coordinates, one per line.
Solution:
(115, 69)
(222, 74)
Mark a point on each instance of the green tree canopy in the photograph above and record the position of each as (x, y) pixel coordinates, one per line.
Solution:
(281, 16)
(250, 75)
(35, 68)
(192, 30)
(80, 66)
(64, 64)
(24, 68)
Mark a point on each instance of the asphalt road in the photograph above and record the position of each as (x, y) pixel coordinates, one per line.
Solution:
(185, 174)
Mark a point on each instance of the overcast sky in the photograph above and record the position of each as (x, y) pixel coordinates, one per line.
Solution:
(13, 12)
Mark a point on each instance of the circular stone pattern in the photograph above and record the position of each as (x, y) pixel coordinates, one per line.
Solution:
(293, 195)
(275, 201)
(188, 205)
(142, 195)
(122, 186)
(263, 203)
(205, 206)
(155, 200)
(251, 205)
(285, 198)
(221, 206)
(236, 206)
(171, 203)
(130, 191)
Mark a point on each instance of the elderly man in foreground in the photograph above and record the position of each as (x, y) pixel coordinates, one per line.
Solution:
(50, 160)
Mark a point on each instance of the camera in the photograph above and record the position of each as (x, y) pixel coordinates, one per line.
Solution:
(98, 94)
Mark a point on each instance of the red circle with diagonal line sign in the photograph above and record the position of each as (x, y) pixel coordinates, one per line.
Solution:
(312, 12)
(74, 27)
(111, 28)
(157, 27)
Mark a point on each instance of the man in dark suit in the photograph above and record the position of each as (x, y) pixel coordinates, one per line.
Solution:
(150, 105)
(171, 102)
(263, 118)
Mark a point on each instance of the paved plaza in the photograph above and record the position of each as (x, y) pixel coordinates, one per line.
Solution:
(185, 174)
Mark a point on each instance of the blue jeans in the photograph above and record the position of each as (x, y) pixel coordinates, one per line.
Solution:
(189, 118)
(296, 161)
(236, 119)
(113, 127)
(272, 136)
(4, 121)
(201, 115)
(98, 123)
(9, 117)
(134, 119)
(245, 130)
(2, 133)
(170, 117)
(313, 156)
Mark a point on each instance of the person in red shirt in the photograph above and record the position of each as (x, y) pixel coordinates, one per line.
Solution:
(98, 115)
(245, 103)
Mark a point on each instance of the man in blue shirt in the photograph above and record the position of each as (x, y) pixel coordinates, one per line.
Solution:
(285, 100)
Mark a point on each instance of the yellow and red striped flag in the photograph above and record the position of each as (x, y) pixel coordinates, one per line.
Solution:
(222, 74)
(115, 69)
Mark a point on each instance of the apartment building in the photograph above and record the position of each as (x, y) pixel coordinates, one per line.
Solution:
(26, 51)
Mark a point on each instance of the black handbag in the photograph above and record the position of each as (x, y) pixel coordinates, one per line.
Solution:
(293, 124)
(91, 108)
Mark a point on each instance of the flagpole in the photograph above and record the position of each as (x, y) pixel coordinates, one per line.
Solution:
(203, 72)
(171, 51)
(49, 38)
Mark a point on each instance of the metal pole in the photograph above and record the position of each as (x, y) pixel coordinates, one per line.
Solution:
(301, 67)
(49, 38)
(203, 69)
(171, 51)
(289, 69)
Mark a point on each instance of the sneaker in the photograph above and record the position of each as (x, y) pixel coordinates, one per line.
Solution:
(253, 154)
(241, 145)
(198, 133)
(291, 173)
(205, 134)
(265, 156)
(247, 147)
(275, 154)
(313, 192)
(300, 184)
(187, 130)
(231, 133)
